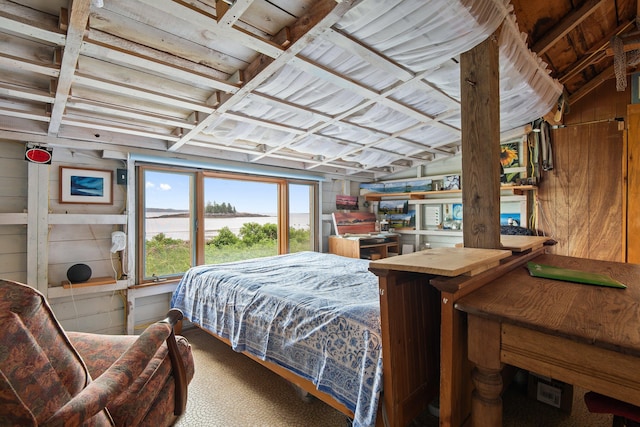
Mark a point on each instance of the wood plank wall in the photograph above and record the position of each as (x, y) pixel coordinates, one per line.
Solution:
(580, 200)
(13, 199)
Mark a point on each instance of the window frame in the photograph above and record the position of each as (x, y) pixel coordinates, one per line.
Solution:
(198, 202)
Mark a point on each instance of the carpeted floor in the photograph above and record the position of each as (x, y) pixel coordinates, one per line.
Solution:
(231, 390)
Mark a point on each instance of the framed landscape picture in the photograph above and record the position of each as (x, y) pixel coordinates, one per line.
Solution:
(80, 185)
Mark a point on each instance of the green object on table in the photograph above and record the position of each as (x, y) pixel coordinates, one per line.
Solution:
(578, 276)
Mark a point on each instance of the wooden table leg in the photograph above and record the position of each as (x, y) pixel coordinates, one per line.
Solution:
(455, 368)
(484, 351)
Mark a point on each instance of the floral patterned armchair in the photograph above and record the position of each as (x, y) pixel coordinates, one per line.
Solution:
(49, 377)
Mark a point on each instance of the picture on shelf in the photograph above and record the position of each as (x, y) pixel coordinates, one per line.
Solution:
(353, 222)
(371, 187)
(457, 211)
(347, 202)
(451, 182)
(402, 221)
(388, 207)
(396, 186)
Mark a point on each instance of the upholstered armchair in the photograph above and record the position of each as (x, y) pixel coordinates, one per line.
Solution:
(49, 377)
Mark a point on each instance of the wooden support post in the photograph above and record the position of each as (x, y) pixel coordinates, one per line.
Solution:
(480, 92)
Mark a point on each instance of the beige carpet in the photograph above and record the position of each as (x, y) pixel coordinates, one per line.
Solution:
(231, 390)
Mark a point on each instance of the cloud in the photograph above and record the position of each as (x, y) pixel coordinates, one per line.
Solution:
(165, 187)
(149, 184)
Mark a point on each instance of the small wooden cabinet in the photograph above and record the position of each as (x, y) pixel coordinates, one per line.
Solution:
(369, 247)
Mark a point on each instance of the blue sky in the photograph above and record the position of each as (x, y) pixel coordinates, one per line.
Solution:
(171, 190)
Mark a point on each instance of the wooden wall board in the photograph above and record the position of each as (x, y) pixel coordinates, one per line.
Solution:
(13, 264)
(605, 193)
(581, 198)
(576, 163)
(633, 186)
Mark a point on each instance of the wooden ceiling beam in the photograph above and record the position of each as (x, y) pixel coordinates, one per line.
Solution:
(229, 15)
(30, 23)
(202, 18)
(133, 130)
(144, 94)
(126, 113)
(11, 90)
(26, 65)
(130, 59)
(568, 23)
(630, 42)
(605, 75)
(595, 54)
(77, 25)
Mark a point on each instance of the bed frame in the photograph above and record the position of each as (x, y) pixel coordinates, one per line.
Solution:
(410, 322)
(303, 383)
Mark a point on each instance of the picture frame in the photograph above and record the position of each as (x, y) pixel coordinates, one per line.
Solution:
(347, 202)
(388, 207)
(86, 186)
(511, 162)
(451, 182)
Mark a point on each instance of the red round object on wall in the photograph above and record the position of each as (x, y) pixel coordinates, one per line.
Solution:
(38, 155)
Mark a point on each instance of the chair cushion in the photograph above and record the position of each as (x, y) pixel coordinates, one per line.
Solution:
(155, 384)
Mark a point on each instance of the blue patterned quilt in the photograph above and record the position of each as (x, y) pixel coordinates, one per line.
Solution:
(315, 314)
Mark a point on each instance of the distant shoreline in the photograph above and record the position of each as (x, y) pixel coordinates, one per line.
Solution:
(214, 215)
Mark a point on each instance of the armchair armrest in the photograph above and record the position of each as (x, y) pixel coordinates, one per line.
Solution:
(95, 397)
(174, 317)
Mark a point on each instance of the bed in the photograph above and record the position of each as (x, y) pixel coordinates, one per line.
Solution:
(315, 315)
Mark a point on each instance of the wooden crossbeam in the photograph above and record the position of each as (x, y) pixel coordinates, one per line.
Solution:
(76, 28)
(571, 21)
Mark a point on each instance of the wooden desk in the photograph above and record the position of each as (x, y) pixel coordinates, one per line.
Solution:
(584, 335)
(376, 246)
(410, 318)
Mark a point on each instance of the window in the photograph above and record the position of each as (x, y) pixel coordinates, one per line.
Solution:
(302, 199)
(241, 219)
(166, 223)
(193, 217)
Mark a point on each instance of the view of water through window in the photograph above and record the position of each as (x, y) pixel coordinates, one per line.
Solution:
(240, 220)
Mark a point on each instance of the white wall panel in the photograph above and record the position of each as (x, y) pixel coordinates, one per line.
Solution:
(100, 313)
(150, 309)
(13, 199)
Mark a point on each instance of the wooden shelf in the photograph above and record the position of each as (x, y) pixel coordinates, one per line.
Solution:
(96, 281)
(92, 286)
(516, 189)
(432, 232)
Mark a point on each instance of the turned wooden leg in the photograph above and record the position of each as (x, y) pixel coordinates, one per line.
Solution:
(486, 403)
(484, 352)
